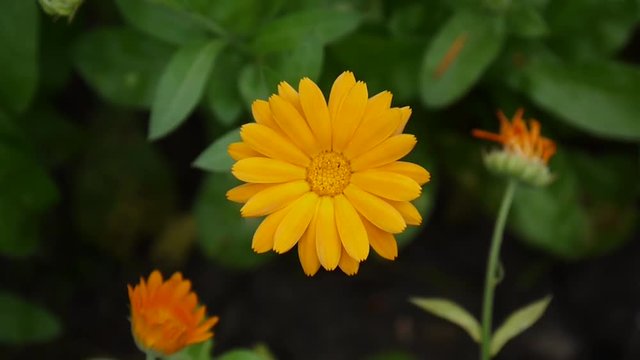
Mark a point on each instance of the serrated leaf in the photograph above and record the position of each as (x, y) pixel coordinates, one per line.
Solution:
(25, 323)
(287, 32)
(181, 86)
(452, 312)
(602, 98)
(122, 65)
(18, 58)
(519, 321)
(458, 56)
(224, 235)
(215, 158)
(161, 22)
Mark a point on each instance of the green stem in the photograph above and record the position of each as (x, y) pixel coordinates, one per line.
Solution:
(150, 356)
(492, 267)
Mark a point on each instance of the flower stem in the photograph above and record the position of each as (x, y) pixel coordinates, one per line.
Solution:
(491, 279)
(150, 356)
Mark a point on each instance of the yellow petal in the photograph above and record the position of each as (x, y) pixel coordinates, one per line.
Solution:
(290, 94)
(374, 209)
(352, 233)
(327, 240)
(262, 115)
(406, 114)
(409, 213)
(386, 184)
(347, 264)
(267, 141)
(242, 193)
(295, 222)
(265, 170)
(240, 150)
(414, 171)
(339, 91)
(263, 237)
(274, 198)
(294, 125)
(372, 133)
(377, 104)
(388, 151)
(381, 241)
(307, 248)
(316, 111)
(349, 116)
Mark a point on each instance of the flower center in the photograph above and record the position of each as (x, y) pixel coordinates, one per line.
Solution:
(329, 173)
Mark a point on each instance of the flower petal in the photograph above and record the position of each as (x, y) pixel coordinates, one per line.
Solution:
(377, 104)
(381, 241)
(386, 184)
(339, 91)
(265, 140)
(295, 222)
(409, 212)
(352, 233)
(288, 93)
(265, 170)
(294, 125)
(240, 150)
(263, 116)
(414, 171)
(388, 151)
(406, 114)
(347, 264)
(372, 133)
(376, 210)
(316, 111)
(349, 116)
(327, 240)
(307, 252)
(274, 198)
(242, 193)
(264, 235)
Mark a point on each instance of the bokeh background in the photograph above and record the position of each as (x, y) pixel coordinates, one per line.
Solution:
(105, 119)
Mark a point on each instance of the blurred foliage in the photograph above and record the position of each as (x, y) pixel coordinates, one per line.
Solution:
(72, 94)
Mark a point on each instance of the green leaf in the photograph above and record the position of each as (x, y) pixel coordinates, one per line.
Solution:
(201, 351)
(224, 235)
(446, 75)
(452, 312)
(25, 323)
(18, 58)
(602, 98)
(253, 83)
(287, 32)
(240, 354)
(526, 21)
(161, 22)
(215, 158)
(519, 321)
(305, 60)
(122, 65)
(223, 96)
(181, 86)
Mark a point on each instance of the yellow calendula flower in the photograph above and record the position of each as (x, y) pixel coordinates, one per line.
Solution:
(327, 175)
(524, 154)
(165, 315)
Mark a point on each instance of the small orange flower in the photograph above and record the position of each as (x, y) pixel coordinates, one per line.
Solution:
(525, 153)
(165, 316)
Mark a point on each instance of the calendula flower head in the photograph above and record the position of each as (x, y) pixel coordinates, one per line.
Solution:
(327, 175)
(165, 315)
(56, 8)
(524, 154)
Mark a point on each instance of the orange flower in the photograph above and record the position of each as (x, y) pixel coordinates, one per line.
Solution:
(517, 138)
(525, 153)
(165, 316)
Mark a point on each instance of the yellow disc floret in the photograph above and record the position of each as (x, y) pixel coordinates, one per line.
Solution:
(329, 173)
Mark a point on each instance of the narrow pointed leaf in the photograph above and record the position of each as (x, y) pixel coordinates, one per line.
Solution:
(451, 311)
(215, 158)
(517, 322)
(181, 86)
